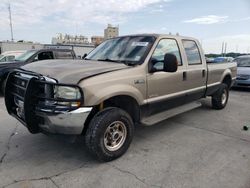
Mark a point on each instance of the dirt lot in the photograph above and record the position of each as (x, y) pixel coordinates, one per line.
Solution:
(200, 148)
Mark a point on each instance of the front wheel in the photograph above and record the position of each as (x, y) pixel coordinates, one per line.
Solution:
(220, 98)
(109, 134)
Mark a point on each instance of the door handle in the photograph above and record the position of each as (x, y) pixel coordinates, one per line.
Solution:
(203, 73)
(184, 76)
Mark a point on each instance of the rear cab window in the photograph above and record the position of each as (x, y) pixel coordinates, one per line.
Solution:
(192, 52)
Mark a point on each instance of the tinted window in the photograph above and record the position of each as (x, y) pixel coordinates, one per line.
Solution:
(165, 46)
(45, 55)
(63, 55)
(192, 52)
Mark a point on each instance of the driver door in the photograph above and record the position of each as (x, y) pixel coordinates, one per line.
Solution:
(165, 89)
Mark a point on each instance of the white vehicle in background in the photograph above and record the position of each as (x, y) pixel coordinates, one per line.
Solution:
(10, 55)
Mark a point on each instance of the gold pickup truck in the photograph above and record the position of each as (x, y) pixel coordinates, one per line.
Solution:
(125, 81)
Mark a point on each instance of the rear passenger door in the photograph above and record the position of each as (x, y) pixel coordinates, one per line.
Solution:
(196, 73)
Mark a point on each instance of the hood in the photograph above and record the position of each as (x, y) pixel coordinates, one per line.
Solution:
(243, 70)
(72, 71)
(4, 66)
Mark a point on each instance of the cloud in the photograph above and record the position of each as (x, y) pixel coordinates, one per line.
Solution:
(29, 12)
(210, 19)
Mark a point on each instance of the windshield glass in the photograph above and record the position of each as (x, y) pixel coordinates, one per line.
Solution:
(243, 62)
(130, 49)
(25, 56)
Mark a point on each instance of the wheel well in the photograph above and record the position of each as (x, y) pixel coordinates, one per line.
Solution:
(127, 103)
(227, 80)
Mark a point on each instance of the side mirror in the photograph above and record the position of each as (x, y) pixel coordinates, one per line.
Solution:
(170, 63)
(85, 55)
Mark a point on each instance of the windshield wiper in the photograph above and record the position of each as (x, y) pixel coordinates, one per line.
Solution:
(107, 59)
(129, 63)
(118, 61)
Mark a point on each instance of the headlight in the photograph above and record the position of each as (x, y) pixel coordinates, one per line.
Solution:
(68, 93)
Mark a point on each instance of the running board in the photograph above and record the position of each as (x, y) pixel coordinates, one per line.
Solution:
(157, 118)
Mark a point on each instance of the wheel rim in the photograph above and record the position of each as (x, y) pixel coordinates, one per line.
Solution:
(115, 136)
(224, 97)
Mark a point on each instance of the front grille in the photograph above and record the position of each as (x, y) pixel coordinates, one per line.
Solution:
(28, 94)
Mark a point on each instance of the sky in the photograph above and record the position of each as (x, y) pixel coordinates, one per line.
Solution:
(212, 22)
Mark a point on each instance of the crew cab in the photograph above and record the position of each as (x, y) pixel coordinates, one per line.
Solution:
(125, 81)
(31, 56)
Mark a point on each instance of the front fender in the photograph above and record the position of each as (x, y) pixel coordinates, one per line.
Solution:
(112, 91)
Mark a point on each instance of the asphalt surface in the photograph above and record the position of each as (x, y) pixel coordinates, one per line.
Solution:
(200, 148)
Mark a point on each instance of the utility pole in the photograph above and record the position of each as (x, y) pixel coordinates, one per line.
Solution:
(225, 50)
(222, 50)
(11, 29)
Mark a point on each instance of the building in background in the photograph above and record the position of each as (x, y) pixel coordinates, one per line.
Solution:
(96, 40)
(111, 32)
(6, 46)
(69, 39)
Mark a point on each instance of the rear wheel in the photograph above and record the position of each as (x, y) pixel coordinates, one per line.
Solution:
(220, 98)
(109, 134)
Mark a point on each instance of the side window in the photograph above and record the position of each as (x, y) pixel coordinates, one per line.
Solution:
(63, 55)
(192, 52)
(44, 56)
(163, 47)
(10, 58)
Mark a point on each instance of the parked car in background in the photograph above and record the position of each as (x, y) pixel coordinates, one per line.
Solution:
(10, 55)
(31, 56)
(243, 71)
(222, 60)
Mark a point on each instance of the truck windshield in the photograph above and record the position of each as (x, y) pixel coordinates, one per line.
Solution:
(128, 50)
(25, 56)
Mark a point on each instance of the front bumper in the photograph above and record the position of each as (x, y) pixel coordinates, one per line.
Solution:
(65, 123)
(29, 99)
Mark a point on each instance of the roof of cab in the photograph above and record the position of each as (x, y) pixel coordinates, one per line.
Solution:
(157, 35)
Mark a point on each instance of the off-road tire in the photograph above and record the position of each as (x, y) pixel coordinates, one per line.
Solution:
(218, 100)
(94, 138)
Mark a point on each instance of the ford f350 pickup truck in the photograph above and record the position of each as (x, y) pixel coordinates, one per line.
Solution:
(125, 81)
